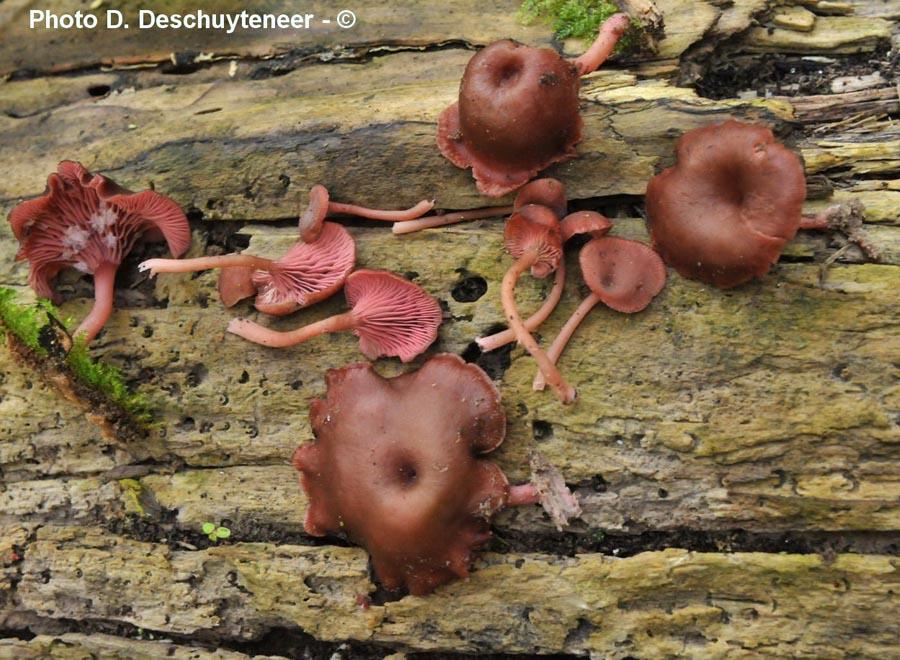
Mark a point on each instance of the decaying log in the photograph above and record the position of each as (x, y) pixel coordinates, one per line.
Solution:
(656, 604)
(770, 409)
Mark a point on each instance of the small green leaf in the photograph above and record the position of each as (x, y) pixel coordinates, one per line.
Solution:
(209, 528)
(223, 532)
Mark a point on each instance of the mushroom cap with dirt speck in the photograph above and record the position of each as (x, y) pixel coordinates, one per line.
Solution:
(723, 213)
(397, 466)
(518, 113)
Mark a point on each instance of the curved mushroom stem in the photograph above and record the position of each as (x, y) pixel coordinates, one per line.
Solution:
(610, 33)
(565, 334)
(498, 339)
(104, 284)
(564, 392)
(444, 219)
(261, 335)
(412, 213)
(206, 263)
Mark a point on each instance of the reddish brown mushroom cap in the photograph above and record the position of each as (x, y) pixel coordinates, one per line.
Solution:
(395, 316)
(584, 222)
(396, 467)
(307, 273)
(546, 192)
(723, 213)
(626, 275)
(517, 114)
(535, 225)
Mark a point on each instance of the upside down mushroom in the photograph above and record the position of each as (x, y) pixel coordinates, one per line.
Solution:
(518, 110)
(392, 317)
(305, 274)
(90, 223)
(398, 466)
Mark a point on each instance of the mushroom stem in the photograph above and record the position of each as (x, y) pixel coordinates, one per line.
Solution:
(261, 335)
(847, 218)
(498, 339)
(610, 33)
(522, 495)
(104, 284)
(444, 219)
(564, 392)
(565, 334)
(206, 263)
(379, 214)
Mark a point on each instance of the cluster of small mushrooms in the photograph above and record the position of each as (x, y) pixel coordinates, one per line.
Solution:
(398, 465)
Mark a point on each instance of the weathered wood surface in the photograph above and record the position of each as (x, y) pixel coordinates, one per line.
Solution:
(772, 408)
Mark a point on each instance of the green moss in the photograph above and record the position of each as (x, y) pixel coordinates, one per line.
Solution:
(571, 18)
(37, 326)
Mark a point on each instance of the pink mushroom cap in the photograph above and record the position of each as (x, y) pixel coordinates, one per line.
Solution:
(396, 466)
(535, 225)
(307, 273)
(88, 222)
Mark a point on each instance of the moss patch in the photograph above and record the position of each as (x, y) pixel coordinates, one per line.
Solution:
(579, 19)
(36, 335)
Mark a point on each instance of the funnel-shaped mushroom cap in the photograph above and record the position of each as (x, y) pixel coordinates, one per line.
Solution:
(85, 220)
(546, 192)
(394, 317)
(307, 273)
(517, 114)
(723, 213)
(534, 226)
(396, 467)
(626, 275)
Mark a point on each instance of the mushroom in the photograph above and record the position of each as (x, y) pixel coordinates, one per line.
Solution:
(532, 238)
(306, 274)
(624, 274)
(518, 110)
(723, 213)
(547, 192)
(88, 222)
(390, 315)
(320, 205)
(580, 222)
(397, 465)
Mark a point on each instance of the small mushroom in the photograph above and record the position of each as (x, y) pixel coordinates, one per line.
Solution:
(398, 466)
(390, 315)
(546, 192)
(580, 222)
(723, 213)
(88, 222)
(518, 110)
(306, 274)
(532, 238)
(624, 274)
(320, 205)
